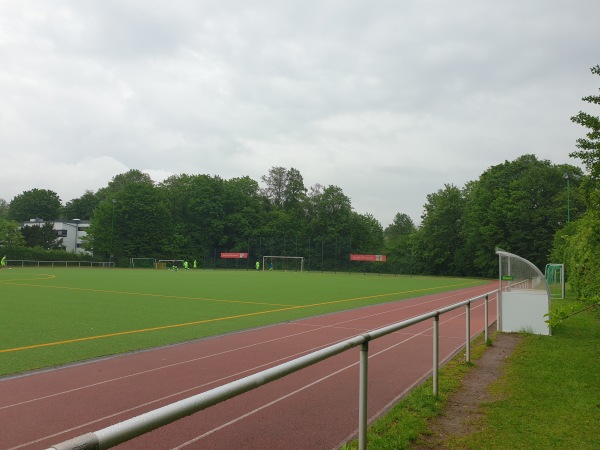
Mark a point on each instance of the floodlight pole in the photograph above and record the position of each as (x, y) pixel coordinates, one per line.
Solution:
(76, 228)
(568, 198)
(112, 230)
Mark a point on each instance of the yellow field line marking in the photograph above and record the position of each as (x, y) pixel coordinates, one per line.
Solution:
(122, 333)
(218, 319)
(397, 293)
(46, 277)
(142, 294)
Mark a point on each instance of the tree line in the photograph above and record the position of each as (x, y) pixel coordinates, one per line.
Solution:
(541, 211)
(187, 216)
(518, 205)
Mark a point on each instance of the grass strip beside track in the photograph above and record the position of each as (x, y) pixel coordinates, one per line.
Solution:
(546, 399)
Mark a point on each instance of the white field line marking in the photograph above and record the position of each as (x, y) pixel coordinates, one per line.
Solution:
(435, 300)
(142, 405)
(189, 361)
(290, 394)
(223, 379)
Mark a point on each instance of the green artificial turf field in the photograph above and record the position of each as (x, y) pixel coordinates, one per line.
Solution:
(56, 316)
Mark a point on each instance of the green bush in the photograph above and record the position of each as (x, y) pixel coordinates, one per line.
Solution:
(40, 254)
(579, 247)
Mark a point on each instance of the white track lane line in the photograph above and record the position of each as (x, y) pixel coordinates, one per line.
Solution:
(235, 375)
(319, 327)
(307, 386)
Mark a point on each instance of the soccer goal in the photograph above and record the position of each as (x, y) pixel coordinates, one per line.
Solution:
(555, 277)
(284, 263)
(169, 263)
(142, 263)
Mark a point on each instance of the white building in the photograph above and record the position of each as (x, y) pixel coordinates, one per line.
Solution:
(71, 232)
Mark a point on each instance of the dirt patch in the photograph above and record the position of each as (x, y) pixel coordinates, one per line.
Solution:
(462, 412)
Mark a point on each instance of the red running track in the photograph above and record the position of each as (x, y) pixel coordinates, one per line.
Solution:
(315, 408)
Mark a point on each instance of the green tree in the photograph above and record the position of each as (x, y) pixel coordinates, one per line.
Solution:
(3, 209)
(177, 191)
(10, 234)
(196, 209)
(140, 226)
(579, 247)
(309, 205)
(122, 180)
(284, 188)
(589, 147)
(577, 244)
(277, 226)
(367, 234)
(43, 236)
(398, 243)
(284, 213)
(402, 225)
(206, 211)
(35, 204)
(82, 207)
(332, 210)
(100, 235)
(295, 191)
(439, 239)
(244, 212)
(518, 206)
(131, 220)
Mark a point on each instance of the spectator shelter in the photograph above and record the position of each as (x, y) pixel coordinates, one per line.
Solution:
(523, 296)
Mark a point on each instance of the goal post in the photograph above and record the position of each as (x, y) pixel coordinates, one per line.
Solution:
(142, 263)
(284, 263)
(555, 277)
(168, 263)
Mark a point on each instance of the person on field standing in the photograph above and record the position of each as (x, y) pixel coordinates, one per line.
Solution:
(257, 265)
(3, 262)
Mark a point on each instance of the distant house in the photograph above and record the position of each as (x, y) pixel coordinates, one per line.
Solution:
(71, 232)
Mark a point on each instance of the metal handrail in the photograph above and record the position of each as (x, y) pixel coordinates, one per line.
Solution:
(136, 426)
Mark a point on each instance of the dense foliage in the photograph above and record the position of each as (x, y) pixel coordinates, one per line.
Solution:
(42, 236)
(589, 147)
(578, 244)
(10, 234)
(35, 204)
(539, 210)
(517, 205)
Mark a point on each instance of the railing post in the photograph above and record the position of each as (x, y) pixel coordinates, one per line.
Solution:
(436, 352)
(362, 396)
(485, 308)
(468, 343)
(151, 420)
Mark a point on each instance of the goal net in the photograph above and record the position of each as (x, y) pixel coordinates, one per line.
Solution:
(555, 277)
(142, 263)
(169, 263)
(283, 263)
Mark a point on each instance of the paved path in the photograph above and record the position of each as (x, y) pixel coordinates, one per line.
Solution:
(316, 408)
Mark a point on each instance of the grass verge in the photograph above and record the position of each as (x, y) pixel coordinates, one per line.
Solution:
(548, 397)
(401, 427)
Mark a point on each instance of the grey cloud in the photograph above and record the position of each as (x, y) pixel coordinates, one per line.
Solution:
(411, 94)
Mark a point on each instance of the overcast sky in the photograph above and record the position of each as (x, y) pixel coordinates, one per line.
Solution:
(389, 100)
